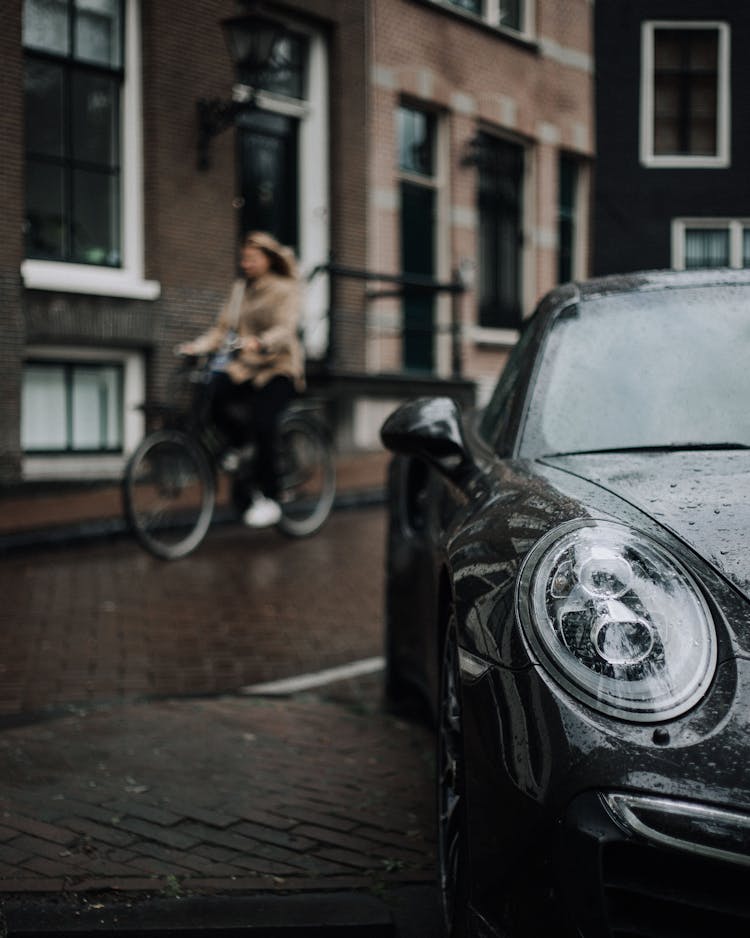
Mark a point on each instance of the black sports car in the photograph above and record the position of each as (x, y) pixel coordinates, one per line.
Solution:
(568, 586)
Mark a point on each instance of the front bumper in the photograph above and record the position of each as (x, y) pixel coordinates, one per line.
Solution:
(650, 866)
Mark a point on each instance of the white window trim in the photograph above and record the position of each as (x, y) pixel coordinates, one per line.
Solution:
(722, 158)
(735, 226)
(92, 465)
(502, 338)
(128, 280)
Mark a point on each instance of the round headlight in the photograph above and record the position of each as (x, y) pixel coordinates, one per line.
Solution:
(618, 620)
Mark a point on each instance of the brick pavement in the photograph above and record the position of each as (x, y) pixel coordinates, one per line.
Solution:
(103, 620)
(227, 795)
(118, 791)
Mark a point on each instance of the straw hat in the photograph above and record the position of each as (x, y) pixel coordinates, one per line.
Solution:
(283, 261)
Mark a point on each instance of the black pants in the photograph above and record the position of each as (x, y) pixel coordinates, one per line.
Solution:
(245, 413)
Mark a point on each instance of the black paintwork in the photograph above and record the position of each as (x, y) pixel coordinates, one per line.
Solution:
(466, 509)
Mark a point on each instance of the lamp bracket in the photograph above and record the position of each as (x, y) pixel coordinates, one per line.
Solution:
(214, 117)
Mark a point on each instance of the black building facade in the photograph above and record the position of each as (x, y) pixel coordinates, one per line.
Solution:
(673, 135)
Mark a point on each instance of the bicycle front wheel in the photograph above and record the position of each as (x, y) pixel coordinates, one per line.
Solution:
(169, 494)
(307, 476)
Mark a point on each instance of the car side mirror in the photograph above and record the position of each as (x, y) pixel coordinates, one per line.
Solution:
(431, 428)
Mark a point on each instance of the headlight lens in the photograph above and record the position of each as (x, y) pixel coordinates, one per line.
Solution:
(620, 621)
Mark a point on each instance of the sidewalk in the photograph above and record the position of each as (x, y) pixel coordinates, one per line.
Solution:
(230, 813)
(311, 815)
(49, 513)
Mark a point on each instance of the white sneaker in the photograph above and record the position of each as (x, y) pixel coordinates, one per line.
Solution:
(262, 513)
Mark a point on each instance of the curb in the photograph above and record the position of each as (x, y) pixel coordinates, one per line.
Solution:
(403, 912)
(341, 914)
(83, 531)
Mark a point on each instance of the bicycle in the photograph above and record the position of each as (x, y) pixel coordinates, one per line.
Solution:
(170, 483)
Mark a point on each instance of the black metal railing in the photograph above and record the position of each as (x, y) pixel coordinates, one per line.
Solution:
(389, 286)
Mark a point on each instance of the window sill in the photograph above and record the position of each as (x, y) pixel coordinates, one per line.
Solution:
(72, 467)
(80, 278)
(685, 162)
(496, 338)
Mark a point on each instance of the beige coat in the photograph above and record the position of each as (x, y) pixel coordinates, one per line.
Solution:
(267, 308)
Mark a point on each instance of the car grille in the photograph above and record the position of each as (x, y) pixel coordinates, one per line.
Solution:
(654, 893)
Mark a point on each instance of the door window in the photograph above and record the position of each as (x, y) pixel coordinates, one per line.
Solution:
(268, 167)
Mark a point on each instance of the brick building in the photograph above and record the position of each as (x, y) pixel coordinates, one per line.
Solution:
(444, 141)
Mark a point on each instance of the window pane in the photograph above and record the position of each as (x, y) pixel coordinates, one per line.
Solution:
(501, 168)
(45, 211)
(686, 92)
(269, 144)
(511, 14)
(44, 108)
(746, 247)
(98, 32)
(71, 407)
(473, 6)
(96, 407)
(416, 141)
(286, 69)
(96, 220)
(45, 25)
(567, 217)
(706, 247)
(95, 119)
(43, 420)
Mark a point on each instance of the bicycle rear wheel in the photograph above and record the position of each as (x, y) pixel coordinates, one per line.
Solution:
(168, 493)
(307, 475)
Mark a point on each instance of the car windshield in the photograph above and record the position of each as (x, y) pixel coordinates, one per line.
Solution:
(667, 368)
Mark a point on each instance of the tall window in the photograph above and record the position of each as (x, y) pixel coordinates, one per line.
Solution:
(73, 82)
(712, 242)
(501, 173)
(685, 94)
(71, 407)
(417, 165)
(567, 217)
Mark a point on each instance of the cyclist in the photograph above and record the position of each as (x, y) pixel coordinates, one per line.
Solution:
(258, 364)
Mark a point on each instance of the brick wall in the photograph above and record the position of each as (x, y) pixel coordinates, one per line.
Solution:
(537, 92)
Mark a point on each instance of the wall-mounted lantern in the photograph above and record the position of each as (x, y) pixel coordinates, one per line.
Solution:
(252, 40)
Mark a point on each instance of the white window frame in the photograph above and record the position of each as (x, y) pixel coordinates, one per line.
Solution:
(127, 280)
(721, 159)
(92, 465)
(735, 227)
(491, 16)
(438, 183)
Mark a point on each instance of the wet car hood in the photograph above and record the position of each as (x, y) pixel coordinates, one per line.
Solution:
(701, 496)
